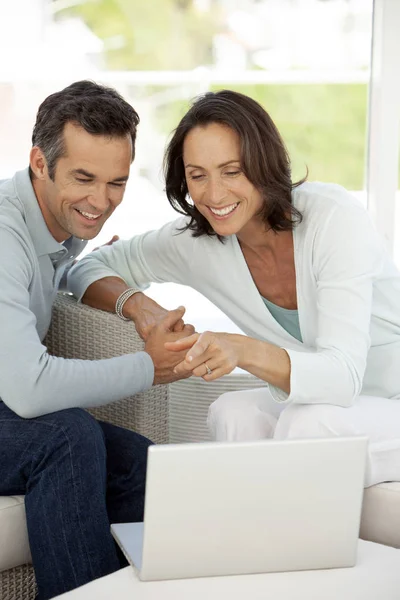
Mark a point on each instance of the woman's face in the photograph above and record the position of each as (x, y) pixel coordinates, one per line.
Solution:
(218, 187)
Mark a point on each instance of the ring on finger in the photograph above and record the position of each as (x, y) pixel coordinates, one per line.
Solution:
(209, 371)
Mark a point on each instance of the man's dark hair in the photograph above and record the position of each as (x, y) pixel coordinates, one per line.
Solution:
(98, 109)
(263, 155)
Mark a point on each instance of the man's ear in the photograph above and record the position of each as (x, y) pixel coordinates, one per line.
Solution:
(38, 163)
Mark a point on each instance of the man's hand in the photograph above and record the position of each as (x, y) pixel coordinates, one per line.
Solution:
(114, 238)
(165, 360)
(218, 353)
(147, 314)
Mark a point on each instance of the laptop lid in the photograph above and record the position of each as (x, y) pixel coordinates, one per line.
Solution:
(252, 507)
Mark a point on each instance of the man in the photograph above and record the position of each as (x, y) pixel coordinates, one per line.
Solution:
(77, 474)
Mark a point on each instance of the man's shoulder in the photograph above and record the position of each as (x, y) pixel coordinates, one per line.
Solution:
(11, 217)
(8, 195)
(12, 222)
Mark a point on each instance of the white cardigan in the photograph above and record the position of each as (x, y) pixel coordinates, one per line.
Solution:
(348, 293)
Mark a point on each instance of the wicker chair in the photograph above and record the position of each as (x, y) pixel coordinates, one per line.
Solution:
(174, 413)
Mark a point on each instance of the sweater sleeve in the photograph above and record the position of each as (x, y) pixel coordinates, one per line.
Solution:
(152, 257)
(347, 257)
(33, 383)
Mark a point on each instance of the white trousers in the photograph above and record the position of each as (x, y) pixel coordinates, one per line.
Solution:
(255, 415)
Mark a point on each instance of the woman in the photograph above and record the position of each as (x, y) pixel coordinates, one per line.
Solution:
(297, 266)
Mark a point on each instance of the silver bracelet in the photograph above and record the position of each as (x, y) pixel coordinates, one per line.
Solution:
(122, 298)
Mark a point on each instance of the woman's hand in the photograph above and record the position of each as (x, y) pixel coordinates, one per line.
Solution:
(219, 353)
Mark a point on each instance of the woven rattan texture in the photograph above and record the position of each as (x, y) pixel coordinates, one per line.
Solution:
(189, 400)
(18, 583)
(78, 331)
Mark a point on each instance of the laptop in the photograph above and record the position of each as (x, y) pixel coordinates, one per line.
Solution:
(248, 507)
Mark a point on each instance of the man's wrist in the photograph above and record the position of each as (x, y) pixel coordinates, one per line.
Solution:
(132, 306)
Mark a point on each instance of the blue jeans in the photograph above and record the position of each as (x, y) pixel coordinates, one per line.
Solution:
(78, 476)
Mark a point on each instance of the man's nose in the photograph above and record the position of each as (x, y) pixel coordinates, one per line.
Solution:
(99, 198)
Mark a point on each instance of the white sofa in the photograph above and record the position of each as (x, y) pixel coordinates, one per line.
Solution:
(174, 413)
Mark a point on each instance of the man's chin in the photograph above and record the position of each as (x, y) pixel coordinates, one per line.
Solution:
(86, 232)
(87, 236)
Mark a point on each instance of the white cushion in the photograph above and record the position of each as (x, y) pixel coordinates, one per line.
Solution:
(381, 514)
(14, 546)
(380, 523)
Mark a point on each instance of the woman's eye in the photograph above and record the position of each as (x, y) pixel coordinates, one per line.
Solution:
(196, 176)
(232, 173)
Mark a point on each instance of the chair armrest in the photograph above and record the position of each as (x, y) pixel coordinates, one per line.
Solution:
(79, 331)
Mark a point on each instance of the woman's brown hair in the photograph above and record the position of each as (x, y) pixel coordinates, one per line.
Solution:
(263, 155)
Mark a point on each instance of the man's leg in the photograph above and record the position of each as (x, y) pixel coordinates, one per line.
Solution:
(59, 462)
(126, 473)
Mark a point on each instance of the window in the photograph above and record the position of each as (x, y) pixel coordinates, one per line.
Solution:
(306, 61)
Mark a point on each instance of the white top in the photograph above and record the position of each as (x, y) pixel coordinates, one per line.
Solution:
(348, 293)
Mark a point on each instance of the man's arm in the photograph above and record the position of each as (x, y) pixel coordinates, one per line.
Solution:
(139, 308)
(156, 256)
(32, 382)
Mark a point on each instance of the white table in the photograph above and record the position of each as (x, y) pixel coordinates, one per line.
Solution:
(376, 575)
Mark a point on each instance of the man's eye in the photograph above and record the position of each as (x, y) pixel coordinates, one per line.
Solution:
(83, 180)
(115, 184)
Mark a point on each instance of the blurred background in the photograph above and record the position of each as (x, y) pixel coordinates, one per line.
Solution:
(325, 70)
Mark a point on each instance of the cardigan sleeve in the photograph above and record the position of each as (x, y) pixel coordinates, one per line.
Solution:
(158, 256)
(348, 255)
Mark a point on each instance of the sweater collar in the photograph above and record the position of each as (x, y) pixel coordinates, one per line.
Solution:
(43, 241)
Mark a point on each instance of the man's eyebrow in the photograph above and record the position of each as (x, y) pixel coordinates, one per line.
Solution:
(83, 172)
(92, 176)
(228, 162)
(118, 179)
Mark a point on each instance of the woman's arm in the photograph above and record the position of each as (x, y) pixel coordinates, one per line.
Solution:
(223, 352)
(159, 256)
(347, 257)
(156, 256)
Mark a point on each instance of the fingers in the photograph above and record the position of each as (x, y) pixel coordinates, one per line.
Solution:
(179, 326)
(184, 343)
(173, 317)
(199, 348)
(184, 369)
(201, 370)
(114, 238)
(189, 329)
(215, 374)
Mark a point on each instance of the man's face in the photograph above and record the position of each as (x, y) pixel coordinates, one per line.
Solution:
(89, 182)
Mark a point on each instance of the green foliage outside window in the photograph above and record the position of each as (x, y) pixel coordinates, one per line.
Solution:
(324, 126)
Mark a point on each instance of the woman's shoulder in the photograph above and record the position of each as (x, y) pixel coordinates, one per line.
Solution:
(315, 197)
(331, 214)
(178, 232)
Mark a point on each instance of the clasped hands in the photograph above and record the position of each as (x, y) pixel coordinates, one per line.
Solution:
(209, 355)
(178, 351)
